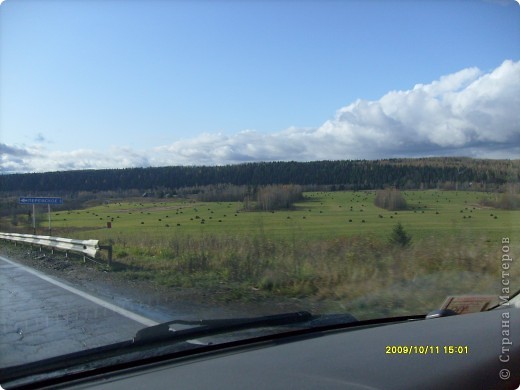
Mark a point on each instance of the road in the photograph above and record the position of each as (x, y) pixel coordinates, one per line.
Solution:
(43, 317)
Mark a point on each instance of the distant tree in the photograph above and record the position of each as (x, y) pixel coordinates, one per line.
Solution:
(507, 201)
(274, 197)
(390, 199)
(399, 236)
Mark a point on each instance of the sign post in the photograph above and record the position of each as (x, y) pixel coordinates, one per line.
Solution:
(38, 200)
(49, 212)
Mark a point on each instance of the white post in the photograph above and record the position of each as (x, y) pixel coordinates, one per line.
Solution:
(34, 220)
(49, 210)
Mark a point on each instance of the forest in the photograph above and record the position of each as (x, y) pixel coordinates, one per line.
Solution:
(422, 173)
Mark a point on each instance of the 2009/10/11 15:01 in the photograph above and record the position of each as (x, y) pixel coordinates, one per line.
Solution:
(426, 349)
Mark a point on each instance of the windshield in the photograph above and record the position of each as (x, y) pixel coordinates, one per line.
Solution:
(179, 161)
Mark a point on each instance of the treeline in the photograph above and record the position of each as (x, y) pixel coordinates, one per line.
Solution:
(213, 193)
(425, 173)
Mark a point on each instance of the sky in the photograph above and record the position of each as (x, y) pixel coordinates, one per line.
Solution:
(89, 84)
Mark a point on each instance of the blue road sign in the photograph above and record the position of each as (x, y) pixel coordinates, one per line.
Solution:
(33, 200)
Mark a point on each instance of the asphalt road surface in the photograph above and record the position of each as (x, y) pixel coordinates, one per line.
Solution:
(42, 317)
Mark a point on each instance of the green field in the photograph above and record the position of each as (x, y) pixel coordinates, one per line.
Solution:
(321, 216)
(332, 247)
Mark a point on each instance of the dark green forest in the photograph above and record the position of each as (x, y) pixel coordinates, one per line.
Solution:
(423, 173)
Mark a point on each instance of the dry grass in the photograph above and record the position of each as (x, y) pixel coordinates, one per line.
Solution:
(356, 273)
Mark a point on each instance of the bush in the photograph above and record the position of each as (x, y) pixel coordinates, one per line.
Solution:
(399, 236)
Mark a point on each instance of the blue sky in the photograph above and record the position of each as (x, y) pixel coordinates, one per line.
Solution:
(113, 84)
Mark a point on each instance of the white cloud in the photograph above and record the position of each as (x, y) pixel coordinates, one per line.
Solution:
(38, 159)
(467, 113)
(459, 111)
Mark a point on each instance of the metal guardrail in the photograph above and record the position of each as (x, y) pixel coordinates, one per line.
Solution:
(86, 247)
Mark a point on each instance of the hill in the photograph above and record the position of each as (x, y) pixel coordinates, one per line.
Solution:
(423, 173)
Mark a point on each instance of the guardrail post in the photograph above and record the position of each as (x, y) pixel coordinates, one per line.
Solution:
(109, 249)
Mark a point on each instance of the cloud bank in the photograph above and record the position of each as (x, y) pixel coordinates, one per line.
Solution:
(467, 113)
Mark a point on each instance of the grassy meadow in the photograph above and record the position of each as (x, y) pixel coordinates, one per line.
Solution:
(333, 247)
(323, 215)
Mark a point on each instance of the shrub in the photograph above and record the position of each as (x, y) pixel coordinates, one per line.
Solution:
(399, 236)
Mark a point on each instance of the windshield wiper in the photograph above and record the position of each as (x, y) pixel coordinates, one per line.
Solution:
(205, 328)
(151, 337)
